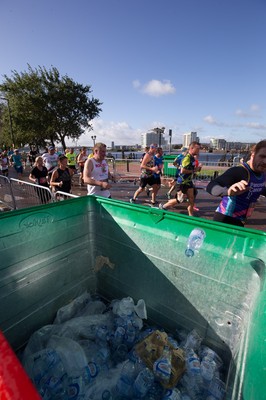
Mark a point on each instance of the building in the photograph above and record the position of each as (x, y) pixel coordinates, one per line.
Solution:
(190, 137)
(218, 144)
(153, 137)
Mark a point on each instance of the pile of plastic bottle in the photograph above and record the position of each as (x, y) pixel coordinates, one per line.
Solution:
(89, 353)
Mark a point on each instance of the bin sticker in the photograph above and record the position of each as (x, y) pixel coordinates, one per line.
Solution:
(36, 220)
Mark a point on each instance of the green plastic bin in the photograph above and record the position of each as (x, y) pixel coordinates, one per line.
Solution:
(53, 253)
(169, 169)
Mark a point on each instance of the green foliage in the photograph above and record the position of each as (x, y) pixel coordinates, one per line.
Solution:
(47, 107)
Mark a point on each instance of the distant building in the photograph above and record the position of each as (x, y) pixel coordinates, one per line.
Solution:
(218, 144)
(152, 137)
(190, 137)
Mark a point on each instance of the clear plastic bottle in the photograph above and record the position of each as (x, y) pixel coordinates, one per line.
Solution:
(207, 367)
(143, 383)
(127, 377)
(195, 381)
(172, 394)
(162, 366)
(216, 389)
(195, 241)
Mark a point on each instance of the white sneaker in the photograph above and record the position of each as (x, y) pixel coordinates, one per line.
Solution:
(180, 197)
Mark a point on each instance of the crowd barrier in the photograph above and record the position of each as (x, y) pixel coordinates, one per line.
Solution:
(130, 169)
(16, 194)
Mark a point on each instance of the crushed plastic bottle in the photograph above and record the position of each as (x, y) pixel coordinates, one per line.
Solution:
(143, 383)
(195, 242)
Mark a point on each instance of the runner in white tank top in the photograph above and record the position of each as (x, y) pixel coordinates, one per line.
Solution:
(96, 172)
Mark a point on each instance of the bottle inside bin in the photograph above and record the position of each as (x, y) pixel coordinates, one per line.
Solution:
(195, 241)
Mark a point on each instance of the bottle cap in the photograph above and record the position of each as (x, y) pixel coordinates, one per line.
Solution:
(189, 253)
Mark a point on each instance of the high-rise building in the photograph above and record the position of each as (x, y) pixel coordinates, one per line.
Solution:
(152, 137)
(190, 137)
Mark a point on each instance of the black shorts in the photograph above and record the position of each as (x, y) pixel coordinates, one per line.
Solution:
(157, 180)
(227, 219)
(150, 180)
(184, 188)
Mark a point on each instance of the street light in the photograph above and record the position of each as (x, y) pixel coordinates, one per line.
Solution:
(93, 139)
(10, 119)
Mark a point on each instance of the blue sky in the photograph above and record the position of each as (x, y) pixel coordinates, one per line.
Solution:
(187, 65)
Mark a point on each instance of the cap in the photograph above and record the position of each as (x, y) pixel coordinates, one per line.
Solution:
(153, 146)
(51, 148)
(184, 149)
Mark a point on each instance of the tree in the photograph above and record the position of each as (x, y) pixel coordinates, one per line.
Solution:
(47, 107)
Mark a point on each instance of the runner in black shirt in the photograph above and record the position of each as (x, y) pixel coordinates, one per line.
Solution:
(240, 188)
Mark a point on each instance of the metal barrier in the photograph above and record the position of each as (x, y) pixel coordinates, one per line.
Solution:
(60, 196)
(7, 200)
(28, 194)
(130, 169)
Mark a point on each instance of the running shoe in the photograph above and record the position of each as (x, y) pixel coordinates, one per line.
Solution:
(147, 191)
(195, 208)
(132, 200)
(180, 197)
(161, 206)
(168, 195)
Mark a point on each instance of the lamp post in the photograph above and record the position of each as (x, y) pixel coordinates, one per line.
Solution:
(93, 139)
(10, 119)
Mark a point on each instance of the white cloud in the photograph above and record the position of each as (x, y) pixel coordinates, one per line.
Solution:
(155, 87)
(210, 120)
(109, 131)
(253, 111)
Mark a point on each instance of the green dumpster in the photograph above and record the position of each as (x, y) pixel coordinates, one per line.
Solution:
(169, 168)
(53, 253)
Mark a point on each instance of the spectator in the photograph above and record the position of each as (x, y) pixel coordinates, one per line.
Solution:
(96, 172)
(185, 181)
(240, 187)
(61, 176)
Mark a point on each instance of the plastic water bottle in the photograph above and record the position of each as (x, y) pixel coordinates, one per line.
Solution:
(172, 394)
(119, 336)
(207, 367)
(195, 241)
(127, 377)
(130, 335)
(216, 389)
(205, 351)
(193, 340)
(195, 381)
(143, 383)
(162, 366)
